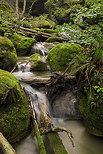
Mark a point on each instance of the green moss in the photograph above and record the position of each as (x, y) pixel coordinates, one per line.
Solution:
(40, 143)
(48, 30)
(22, 44)
(60, 56)
(92, 115)
(8, 57)
(91, 104)
(14, 112)
(41, 23)
(55, 144)
(38, 63)
(52, 39)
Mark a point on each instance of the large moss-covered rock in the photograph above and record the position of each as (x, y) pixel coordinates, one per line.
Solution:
(91, 92)
(22, 44)
(8, 57)
(38, 62)
(60, 56)
(14, 113)
(92, 110)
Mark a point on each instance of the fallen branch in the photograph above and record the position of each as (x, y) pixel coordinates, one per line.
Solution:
(37, 132)
(39, 33)
(5, 145)
(13, 68)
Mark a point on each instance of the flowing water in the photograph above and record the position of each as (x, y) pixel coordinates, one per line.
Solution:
(84, 142)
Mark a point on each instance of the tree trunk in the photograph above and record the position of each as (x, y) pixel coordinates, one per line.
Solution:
(24, 8)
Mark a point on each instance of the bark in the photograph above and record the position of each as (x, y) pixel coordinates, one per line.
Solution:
(38, 33)
(47, 35)
(17, 9)
(5, 145)
(24, 8)
(37, 81)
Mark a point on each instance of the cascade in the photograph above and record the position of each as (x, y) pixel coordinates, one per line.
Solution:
(42, 48)
(82, 140)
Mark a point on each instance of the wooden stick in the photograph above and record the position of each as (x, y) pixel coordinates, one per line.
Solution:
(5, 145)
(37, 132)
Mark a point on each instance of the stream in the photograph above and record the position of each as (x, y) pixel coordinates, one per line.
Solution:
(84, 142)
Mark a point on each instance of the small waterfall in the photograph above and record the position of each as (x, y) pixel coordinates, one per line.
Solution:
(39, 100)
(42, 48)
(39, 48)
(23, 69)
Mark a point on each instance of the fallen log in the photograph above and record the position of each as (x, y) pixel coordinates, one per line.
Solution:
(39, 33)
(37, 81)
(5, 145)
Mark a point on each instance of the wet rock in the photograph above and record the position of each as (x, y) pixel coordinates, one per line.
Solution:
(38, 62)
(66, 106)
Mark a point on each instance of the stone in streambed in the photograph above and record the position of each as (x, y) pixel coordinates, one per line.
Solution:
(38, 62)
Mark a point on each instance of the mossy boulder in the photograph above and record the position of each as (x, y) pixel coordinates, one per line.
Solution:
(38, 62)
(22, 44)
(60, 56)
(91, 109)
(8, 57)
(14, 112)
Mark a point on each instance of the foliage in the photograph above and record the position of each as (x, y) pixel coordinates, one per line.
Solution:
(57, 11)
(77, 35)
(6, 12)
(42, 22)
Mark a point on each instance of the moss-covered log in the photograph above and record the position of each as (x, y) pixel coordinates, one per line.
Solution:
(55, 145)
